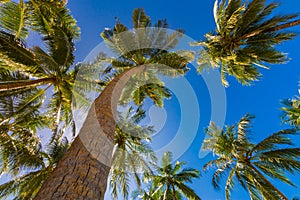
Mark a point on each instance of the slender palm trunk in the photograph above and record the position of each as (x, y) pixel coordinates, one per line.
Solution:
(276, 28)
(174, 191)
(268, 182)
(83, 171)
(13, 85)
(166, 192)
(57, 121)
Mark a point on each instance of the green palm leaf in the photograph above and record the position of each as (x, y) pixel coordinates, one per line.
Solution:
(245, 38)
(251, 165)
(132, 155)
(291, 111)
(13, 18)
(169, 181)
(34, 164)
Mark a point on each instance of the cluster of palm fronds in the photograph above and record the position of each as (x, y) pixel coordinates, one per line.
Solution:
(168, 181)
(39, 70)
(36, 89)
(23, 158)
(292, 111)
(245, 38)
(250, 164)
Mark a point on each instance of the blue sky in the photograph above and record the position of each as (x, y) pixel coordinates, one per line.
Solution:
(196, 18)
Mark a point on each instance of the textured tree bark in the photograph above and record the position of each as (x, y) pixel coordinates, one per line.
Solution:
(83, 171)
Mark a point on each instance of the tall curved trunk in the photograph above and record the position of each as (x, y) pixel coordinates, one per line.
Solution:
(83, 171)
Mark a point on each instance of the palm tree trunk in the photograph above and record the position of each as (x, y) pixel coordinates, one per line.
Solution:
(57, 120)
(166, 192)
(14, 85)
(174, 191)
(276, 28)
(83, 171)
(268, 182)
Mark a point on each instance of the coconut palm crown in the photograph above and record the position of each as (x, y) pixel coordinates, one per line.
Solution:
(245, 38)
(47, 67)
(169, 181)
(249, 164)
(150, 45)
(291, 111)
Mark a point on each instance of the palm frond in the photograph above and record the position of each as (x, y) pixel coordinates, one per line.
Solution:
(274, 139)
(13, 19)
(15, 50)
(251, 165)
(169, 180)
(132, 155)
(245, 38)
(291, 111)
(58, 27)
(243, 127)
(187, 191)
(272, 171)
(140, 19)
(229, 183)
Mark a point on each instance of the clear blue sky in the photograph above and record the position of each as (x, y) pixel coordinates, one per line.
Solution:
(195, 17)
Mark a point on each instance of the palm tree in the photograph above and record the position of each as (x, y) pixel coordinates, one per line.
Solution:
(45, 67)
(245, 38)
(291, 111)
(18, 129)
(83, 171)
(22, 157)
(153, 193)
(170, 180)
(29, 164)
(251, 164)
(132, 153)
